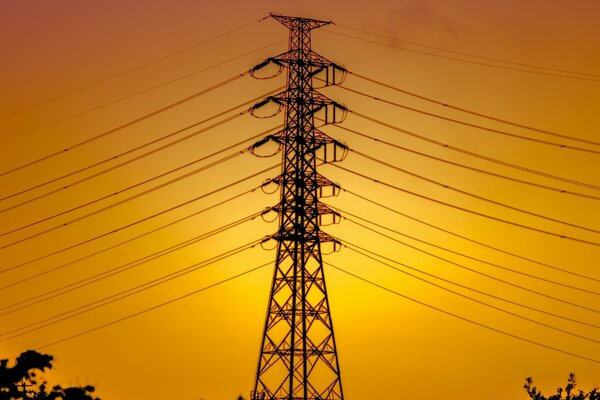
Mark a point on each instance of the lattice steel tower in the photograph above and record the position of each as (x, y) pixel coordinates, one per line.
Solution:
(298, 358)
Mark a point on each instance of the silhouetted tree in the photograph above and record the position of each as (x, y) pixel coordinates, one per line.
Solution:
(19, 381)
(568, 393)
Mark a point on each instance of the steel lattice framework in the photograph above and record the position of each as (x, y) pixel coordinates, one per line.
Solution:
(298, 358)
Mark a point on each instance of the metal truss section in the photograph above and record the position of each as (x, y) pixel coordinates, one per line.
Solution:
(298, 357)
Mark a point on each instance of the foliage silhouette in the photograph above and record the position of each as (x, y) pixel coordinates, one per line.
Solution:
(20, 381)
(568, 393)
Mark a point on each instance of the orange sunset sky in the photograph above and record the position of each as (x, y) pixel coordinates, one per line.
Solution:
(74, 70)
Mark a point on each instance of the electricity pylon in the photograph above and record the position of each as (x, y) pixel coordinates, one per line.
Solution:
(298, 358)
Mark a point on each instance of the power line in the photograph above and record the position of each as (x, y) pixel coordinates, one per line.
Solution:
(484, 274)
(154, 188)
(122, 164)
(464, 318)
(113, 130)
(516, 315)
(152, 308)
(495, 248)
(456, 164)
(531, 228)
(478, 114)
(353, 246)
(482, 198)
(121, 295)
(140, 66)
(139, 157)
(128, 188)
(146, 233)
(130, 123)
(515, 271)
(472, 125)
(141, 91)
(503, 67)
(104, 250)
(469, 54)
(51, 294)
(476, 155)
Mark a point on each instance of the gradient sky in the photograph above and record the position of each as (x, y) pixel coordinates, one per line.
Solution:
(206, 346)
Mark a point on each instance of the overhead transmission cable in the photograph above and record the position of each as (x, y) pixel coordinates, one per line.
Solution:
(515, 336)
(524, 288)
(125, 200)
(116, 297)
(130, 123)
(136, 185)
(129, 96)
(114, 167)
(476, 155)
(74, 312)
(134, 223)
(353, 247)
(471, 240)
(105, 249)
(138, 67)
(124, 163)
(484, 215)
(471, 112)
(155, 307)
(475, 300)
(468, 167)
(472, 125)
(480, 260)
(464, 192)
(469, 54)
(114, 271)
(486, 64)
